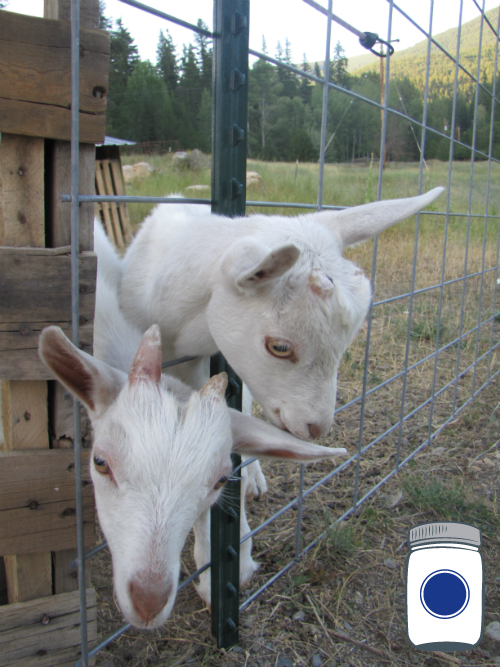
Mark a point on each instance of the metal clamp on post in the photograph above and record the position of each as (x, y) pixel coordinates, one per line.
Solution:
(370, 39)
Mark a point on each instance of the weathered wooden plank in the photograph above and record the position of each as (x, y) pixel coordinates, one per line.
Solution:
(29, 576)
(57, 216)
(52, 31)
(35, 291)
(33, 478)
(61, 11)
(42, 306)
(116, 170)
(45, 273)
(45, 632)
(108, 182)
(21, 191)
(24, 405)
(51, 122)
(50, 527)
(42, 74)
(3, 584)
(104, 206)
(58, 178)
(25, 335)
(46, 252)
(24, 415)
(35, 70)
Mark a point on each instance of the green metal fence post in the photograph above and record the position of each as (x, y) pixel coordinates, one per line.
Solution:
(229, 147)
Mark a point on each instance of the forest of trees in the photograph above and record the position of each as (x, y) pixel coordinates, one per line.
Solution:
(172, 100)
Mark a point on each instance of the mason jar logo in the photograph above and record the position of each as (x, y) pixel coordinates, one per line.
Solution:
(444, 594)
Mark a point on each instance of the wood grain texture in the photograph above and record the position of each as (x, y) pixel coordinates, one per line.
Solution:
(50, 527)
(29, 576)
(24, 415)
(39, 120)
(54, 30)
(21, 191)
(42, 74)
(61, 10)
(24, 405)
(45, 632)
(58, 213)
(35, 69)
(58, 221)
(35, 291)
(39, 477)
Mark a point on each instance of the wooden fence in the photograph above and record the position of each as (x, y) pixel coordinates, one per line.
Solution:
(39, 625)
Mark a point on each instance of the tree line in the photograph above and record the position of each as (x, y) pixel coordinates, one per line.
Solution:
(172, 99)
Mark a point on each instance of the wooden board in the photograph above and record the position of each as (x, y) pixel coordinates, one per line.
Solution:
(58, 225)
(109, 181)
(37, 502)
(21, 191)
(35, 291)
(58, 180)
(39, 120)
(24, 405)
(45, 632)
(35, 70)
(29, 576)
(24, 415)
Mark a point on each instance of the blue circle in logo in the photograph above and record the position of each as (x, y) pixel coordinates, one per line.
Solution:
(444, 594)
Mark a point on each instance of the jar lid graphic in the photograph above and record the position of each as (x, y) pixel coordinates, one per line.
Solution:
(444, 531)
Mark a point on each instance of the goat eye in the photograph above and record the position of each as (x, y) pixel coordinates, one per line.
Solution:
(101, 466)
(220, 483)
(279, 348)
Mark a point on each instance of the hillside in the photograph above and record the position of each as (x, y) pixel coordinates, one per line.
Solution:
(411, 62)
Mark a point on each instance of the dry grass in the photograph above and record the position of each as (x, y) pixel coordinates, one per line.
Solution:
(350, 586)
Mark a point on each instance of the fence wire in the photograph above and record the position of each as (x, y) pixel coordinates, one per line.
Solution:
(410, 296)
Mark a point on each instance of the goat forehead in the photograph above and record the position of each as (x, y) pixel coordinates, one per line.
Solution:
(150, 427)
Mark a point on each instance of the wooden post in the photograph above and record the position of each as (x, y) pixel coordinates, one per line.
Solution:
(24, 404)
(58, 234)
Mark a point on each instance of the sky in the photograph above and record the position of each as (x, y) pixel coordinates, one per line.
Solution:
(277, 20)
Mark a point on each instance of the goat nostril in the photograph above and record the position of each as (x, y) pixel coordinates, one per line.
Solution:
(149, 601)
(315, 430)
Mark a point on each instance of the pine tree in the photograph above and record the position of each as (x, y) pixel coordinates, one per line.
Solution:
(305, 88)
(203, 52)
(104, 22)
(166, 61)
(147, 112)
(122, 60)
(338, 67)
(189, 95)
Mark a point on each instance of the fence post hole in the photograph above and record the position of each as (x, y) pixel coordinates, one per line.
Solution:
(229, 147)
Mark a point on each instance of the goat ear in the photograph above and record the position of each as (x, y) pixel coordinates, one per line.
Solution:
(92, 381)
(215, 387)
(357, 224)
(250, 264)
(254, 437)
(146, 365)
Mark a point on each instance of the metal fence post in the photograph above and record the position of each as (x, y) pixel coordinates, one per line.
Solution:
(229, 147)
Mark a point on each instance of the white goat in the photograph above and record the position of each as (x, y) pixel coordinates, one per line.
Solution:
(161, 453)
(272, 293)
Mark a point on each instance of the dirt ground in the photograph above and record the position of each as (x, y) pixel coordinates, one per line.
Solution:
(343, 603)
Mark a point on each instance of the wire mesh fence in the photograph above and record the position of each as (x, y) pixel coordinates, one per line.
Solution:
(440, 306)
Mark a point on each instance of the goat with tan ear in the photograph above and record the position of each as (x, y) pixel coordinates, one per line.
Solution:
(160, 457)
(272, 293)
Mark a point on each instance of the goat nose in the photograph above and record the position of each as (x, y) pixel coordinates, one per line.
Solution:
(316, 430)
(149, 600)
